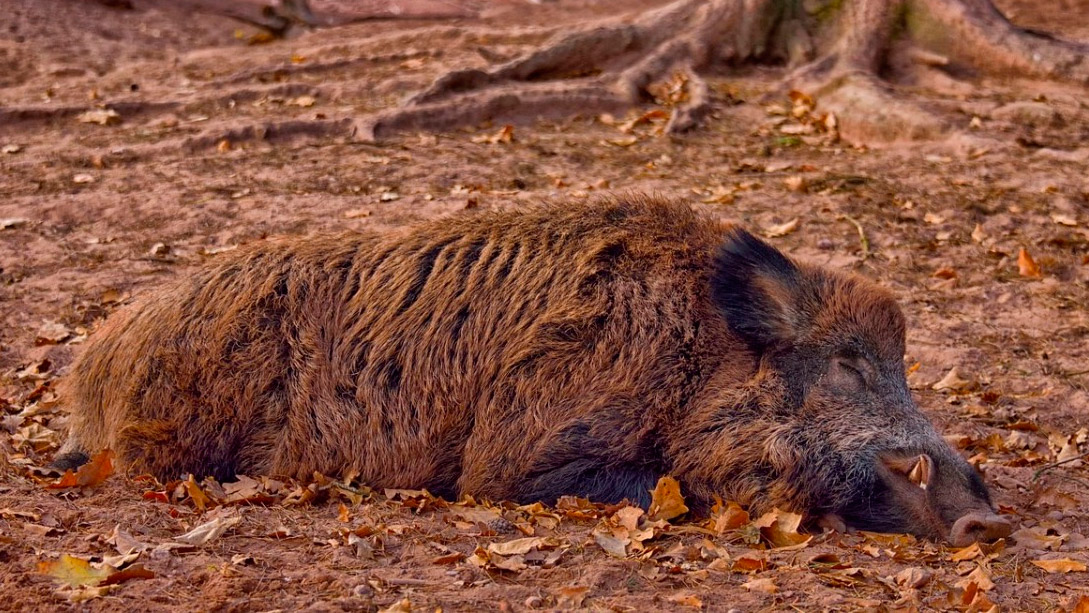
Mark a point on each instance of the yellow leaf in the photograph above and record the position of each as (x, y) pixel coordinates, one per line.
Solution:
(970, 552)
(74, 571)
(687, 600)
(775, 231)
(780, 529)
(197, 495)
(1065, 565)
(666, 500)
(90, 474)
(728, 517)
(1026, 265)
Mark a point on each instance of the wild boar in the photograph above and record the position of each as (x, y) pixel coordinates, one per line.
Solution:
(582, 349)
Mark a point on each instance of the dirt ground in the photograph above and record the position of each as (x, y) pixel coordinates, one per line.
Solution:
(217, 143)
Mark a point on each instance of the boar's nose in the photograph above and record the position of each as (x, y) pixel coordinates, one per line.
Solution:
(979, 526)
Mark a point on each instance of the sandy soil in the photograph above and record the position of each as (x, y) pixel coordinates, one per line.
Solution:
(217, 143)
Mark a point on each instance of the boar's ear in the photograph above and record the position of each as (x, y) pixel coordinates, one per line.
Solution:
(757, 287)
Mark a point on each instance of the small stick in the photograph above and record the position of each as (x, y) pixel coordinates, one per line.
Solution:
(1036, 475)
(865, 242)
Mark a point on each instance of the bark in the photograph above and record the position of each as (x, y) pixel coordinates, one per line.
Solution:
(837, 51)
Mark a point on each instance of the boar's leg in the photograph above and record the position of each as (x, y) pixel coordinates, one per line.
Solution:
(597, 461)
(588, 478)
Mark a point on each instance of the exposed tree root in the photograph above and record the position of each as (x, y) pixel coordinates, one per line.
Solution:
(283, 17)
(839, 51)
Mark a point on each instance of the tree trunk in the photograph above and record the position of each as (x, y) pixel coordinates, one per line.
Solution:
(839, 52)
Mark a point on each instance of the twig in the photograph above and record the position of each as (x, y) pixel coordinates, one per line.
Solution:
(865, 242)
(1036, 475)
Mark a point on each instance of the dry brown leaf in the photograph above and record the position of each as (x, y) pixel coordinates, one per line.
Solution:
(750, 563)
(970, 552)
(954, 382)
(913, 577)
(613, 545)
(136, 571)
(780, 529)
(1082, 606)
(763, 584)
(522, 546)
(1026, 537)
(980, 578)
(450, 558)
(90, 474)
(1065, 565)
(687, 600)
(209, 531)
(103, 117)
(52, 333)
(728, 517)
(777, 230)
(628, 517)
(666, 500)
(1026, 265)
(513, 563)
(571, 597)
(401, 606)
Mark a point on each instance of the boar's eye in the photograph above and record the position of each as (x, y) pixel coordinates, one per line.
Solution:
(853, 368)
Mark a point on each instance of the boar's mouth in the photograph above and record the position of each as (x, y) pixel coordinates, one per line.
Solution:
(943, 499)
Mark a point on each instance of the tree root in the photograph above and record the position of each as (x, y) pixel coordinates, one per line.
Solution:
(837, 49)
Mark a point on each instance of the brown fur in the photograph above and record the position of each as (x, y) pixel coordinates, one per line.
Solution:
(571, 349)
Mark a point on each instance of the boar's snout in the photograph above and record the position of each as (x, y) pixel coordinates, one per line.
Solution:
(979, 526)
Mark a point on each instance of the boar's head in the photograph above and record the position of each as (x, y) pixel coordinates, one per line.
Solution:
(839, 427)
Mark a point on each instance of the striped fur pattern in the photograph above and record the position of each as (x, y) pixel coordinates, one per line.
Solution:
(581, 349)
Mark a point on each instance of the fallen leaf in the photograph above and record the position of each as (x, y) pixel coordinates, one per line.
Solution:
(209, 531)
(401, 606)
(666, 500)
(124, 542)
(90, 474)
(750, 564)
(73, 571)
(1065, 565)
(197, 495)
(628, 517)
(1064, 220)
(913, 577)
(136, 571)
(780, 529)
(775, 231)
(764, 584)
(504, 135)
(82, 178)
(1031, 539)
(11, 149)
(1026, 265)
(612, 544)
(687, 600)
(303, 101)
(450, 558)
(1082, 606)
(954, 382)
(522, 546)
(571, 597)
(970, 552)
(729, 517)
(103, 117)
(13, 222)
(980, 578)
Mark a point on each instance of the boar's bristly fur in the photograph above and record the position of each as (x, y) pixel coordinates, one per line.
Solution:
(582, 349)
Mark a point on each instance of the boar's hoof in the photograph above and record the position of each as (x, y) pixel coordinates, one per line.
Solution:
(978, 526)
(832, 523)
